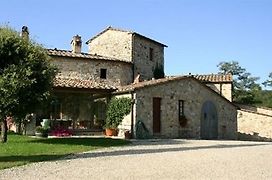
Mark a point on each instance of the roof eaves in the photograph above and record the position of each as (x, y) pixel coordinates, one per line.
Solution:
(142, 36)
(97, 35)
(66, 53)
(145, 84)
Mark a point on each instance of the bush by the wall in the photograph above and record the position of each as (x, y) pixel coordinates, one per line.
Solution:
(117, 109)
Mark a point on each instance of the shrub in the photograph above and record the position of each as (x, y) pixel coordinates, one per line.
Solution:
(158, 72)
(42, 130)
(117, 109)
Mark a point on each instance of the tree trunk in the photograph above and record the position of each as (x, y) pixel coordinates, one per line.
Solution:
(4, 131)
(20, 127)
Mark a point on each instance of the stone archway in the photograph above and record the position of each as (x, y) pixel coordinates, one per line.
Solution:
(209, 121)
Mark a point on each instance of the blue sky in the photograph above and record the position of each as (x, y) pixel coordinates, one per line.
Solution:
(199, 33)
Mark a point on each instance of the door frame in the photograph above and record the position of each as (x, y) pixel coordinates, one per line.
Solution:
(156, 113)
(209, 127)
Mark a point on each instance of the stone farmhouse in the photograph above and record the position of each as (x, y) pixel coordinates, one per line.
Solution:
(121, 63)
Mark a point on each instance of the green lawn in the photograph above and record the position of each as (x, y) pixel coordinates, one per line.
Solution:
(20, 150)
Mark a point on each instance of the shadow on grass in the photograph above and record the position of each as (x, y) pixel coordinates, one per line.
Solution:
(30, 158)
(96, 142)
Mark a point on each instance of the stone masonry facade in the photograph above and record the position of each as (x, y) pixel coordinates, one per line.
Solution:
(111, 43)
(120, 58)
(143, 63)
(255, 122)
(144, 53)
(118, 73)
(224, 89)
(194, 95)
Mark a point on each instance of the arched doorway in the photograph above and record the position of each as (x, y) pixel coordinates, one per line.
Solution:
(209, 121)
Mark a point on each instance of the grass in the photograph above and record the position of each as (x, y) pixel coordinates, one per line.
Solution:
(20, 150)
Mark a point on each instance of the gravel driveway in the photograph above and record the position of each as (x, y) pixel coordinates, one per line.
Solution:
(158, 159)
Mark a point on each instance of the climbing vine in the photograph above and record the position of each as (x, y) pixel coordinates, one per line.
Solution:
(117, 109)
(158, 72)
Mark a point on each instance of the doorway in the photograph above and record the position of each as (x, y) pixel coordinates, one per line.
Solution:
(156, 115)
(209, 121)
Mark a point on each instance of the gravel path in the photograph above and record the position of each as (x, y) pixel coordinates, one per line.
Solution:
(158, 159)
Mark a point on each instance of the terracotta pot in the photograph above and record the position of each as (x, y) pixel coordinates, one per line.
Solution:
(111, 132)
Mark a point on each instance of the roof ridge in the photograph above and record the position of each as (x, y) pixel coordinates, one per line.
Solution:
(106, 29)
(133, 87)
(209, 77)
(119, 29)
(122, 30)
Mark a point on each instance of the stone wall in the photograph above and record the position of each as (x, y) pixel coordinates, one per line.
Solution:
(194, 95)
(257, 109)
(141, 57)
(256, 125)
(224, 89)
(112, 43)
(133, 48)
(118, 73)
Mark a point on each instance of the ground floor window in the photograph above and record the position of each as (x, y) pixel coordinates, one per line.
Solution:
(181, 108)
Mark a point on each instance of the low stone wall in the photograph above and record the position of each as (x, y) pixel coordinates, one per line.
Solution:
(254, 125)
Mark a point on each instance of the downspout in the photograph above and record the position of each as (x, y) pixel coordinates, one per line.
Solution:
(132, 57)
(132, 115)
(132, 94)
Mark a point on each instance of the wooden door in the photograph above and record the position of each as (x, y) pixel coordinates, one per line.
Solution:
(156, 115)
(209, 121)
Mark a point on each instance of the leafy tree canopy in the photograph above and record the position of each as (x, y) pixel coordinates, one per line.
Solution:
(117, 109)
(245, 86)
(26, 76)
(158, 72)
(269, 81)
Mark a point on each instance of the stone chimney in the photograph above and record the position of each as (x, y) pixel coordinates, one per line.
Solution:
(137, 79)
(25, 33)
(76, 44)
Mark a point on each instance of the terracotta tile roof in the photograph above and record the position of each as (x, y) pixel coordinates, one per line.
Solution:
(132, 87)
(80, 83)
(214, 78)
(66, 53)
(142, 84)
(130, 32)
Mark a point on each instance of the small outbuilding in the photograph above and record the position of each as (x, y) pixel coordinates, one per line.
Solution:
(178, 107)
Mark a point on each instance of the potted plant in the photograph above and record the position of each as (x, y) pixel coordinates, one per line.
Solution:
(183, 121)
(117, 109)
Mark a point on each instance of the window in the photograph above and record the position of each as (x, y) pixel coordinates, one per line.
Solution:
(151, 54)
(103, 73)
(181, 108)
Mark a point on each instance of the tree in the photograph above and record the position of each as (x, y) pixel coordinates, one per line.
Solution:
(26, 76)
(245, 87)
(269, 81)
(158, 72)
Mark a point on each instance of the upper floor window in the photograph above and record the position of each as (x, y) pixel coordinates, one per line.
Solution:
(151, 51)
(103, 73)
